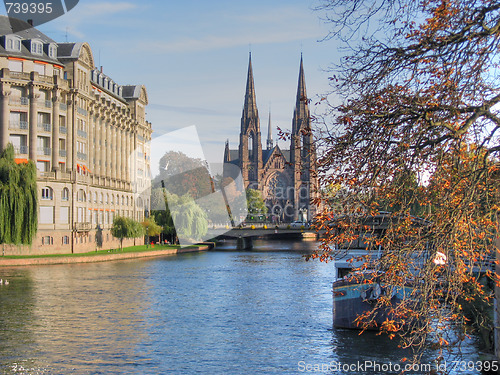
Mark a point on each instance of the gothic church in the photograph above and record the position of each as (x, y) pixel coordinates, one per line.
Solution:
(286, 178)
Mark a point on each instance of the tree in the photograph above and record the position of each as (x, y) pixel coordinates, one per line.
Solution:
(190, 219)
(181, 174)
(124, 227)
(150, 227)
(256, 205)
(417, 128)
(18, 199)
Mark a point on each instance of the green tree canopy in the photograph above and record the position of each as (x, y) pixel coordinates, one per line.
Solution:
(256, 205)
(18, 199)
(124, 227)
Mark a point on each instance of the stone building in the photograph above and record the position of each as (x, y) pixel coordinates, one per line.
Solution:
(286, 178)
(86, 133)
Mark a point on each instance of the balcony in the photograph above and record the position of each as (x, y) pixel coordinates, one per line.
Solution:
(82, 227)
(19, 101)
(45, 127)
(44, 150)
(81, 111)
(63, 106)
(18, 125)
(81, 156)
(63, 129)
(19, 75)
(62, 153)
(81, 133)
(22, 150)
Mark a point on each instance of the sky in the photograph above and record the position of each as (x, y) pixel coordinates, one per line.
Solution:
(192, 56)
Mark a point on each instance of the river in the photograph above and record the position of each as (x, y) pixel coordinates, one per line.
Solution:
(266, 311)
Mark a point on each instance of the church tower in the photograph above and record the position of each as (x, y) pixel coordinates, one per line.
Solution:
(250, 150)
(302, 152)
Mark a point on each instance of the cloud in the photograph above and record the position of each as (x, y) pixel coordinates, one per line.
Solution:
(233, 29)
(91, 12)
(188, 110)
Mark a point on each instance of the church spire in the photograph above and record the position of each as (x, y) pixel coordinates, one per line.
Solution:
(250, 105)
(270, 142)
(301, 113)
(227, 153)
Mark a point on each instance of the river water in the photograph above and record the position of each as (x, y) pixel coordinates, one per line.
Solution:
(266, 311)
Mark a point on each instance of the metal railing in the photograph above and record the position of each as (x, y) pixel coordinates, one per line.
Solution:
(21, 150)
(44, 150)
(45, 127)
(18, 125)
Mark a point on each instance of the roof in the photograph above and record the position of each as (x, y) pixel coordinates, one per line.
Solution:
(131, 91)
(69, 50)
(29, 33)
(266, 154)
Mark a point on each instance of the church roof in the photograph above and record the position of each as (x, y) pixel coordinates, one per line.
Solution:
(266, 154)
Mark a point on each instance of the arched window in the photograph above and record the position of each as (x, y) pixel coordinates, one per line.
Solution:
(47, 193)
(65, 194)
(82, 196)
(251, 144)
(304, 147)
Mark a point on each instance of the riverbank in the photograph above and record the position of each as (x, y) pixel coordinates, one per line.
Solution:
(103, 255)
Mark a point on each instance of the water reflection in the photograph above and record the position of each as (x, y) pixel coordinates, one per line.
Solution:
(211, 313)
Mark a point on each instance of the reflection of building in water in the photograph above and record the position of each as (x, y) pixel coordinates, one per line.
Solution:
(87, 135)
(286, 178)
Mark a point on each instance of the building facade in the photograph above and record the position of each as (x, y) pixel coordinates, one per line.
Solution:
(86, 133)
(286, 179)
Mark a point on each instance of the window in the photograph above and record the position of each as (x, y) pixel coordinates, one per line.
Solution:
(36, 48)
(13, 43)
(46, 215)
(65, 194)
(52, 51)
(95, 197)
(64, 215)
(112, 199)
(47, 240)
(43, 166)
(15, 65)
(39, 68)
(82, 197)
(47, 193)
(65, 240)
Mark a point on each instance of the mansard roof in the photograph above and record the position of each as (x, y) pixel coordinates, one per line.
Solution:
(27, 33)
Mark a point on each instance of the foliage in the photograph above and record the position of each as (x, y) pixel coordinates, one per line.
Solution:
(161, 213)
(18, 199)
(124, 227)
(180, 174)
(255, 202)
(150, 227)
(417, 133)
(189, 218)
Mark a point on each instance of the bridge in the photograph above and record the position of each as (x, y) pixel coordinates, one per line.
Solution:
(245, 235)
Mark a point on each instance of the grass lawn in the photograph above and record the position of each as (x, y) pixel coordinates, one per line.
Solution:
(131, 249)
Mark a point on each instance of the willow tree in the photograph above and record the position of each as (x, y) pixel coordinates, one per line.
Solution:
(419, 97)
(18, 200)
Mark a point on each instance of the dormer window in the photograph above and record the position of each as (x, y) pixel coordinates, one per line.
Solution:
(52, 50)
(36, 47)
(13, 43)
